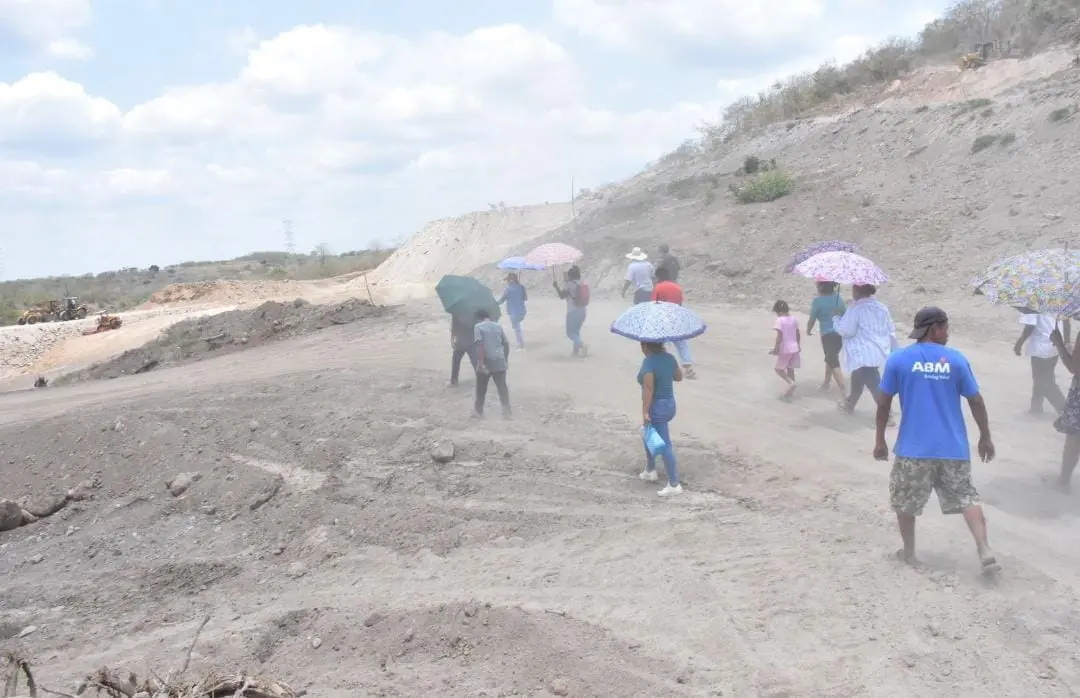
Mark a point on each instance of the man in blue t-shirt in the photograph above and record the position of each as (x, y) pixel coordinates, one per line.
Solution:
(932, 451)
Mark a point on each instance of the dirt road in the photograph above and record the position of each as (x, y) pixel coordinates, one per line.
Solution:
(535, 562)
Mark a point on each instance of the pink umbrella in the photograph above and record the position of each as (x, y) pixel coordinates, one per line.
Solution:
(842, 268)
(553, 254)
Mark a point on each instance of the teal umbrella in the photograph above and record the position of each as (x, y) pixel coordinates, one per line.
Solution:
(463, 296)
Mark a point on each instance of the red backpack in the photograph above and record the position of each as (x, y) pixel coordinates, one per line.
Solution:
(583, 295)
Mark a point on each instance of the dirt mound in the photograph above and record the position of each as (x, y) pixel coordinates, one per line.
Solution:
(226, 292)
(224, 333)
(459, 245)
(471, 649)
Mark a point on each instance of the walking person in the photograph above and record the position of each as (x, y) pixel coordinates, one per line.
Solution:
(639, 275)
(515, 297)
(668, 291)
(492, 362)
(1035, 342)
(869, 336)
(670, 262)
(822, 311)
(463, 343)
(576, 293)
(657, 377)
(932, 452)
(788, 347)
(1069, 421)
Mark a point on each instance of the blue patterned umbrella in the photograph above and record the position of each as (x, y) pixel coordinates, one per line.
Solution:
(658, 322)
(816, 249)
(518, 264)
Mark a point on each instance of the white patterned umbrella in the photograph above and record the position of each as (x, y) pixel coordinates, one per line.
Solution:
(658, 322)
(842, 268)
(553, 254)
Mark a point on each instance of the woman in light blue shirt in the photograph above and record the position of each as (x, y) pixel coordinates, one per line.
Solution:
(515, 296)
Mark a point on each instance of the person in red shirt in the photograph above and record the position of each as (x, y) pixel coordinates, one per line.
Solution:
(668, 291)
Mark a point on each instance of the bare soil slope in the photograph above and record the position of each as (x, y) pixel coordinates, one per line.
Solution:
(896, 175)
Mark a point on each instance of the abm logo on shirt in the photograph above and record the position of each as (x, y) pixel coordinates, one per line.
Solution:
(936, 370)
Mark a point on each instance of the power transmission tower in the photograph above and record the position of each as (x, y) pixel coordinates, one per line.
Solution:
(290, 239)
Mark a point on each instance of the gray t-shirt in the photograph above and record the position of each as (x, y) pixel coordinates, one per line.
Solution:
(640, 275)
(491, 336)
(572, 289)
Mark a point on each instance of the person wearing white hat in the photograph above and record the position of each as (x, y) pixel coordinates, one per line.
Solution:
(639, 274)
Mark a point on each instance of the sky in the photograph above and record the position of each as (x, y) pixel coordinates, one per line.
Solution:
(139, 132)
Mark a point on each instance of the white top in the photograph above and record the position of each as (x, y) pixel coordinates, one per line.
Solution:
(1038, 344)
(869, 334)
(640, 274)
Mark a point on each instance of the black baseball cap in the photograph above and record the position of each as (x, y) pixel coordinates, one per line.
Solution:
(925, 319)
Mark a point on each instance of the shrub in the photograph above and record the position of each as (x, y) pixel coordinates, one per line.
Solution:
(1061, 114)
(973, 104)
(751, 164)
(920, 110)
(763, 187)
(982, 143)
(1007, 139)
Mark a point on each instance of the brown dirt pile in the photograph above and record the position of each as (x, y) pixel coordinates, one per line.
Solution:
(225, 333)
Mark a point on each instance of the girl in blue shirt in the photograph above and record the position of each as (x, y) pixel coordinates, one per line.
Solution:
(657, 376)
(515, 296)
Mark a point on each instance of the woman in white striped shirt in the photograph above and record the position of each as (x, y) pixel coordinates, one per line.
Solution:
(869, 337)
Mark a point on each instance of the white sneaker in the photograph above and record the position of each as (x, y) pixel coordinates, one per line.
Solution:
(648, 475)
(669, 490)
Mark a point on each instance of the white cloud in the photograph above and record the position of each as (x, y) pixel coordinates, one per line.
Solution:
(629, 23)
(50, 25)
(45, 106)
(354, 135)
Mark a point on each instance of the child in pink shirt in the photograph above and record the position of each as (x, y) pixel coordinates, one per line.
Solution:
(787, 348)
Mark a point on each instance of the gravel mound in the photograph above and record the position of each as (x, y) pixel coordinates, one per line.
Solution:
(225, 333)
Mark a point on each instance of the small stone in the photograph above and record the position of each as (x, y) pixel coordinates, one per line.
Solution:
(37, 559)
(558, 687)
(373, 619)
(11, 515)
(253, 426)
(297, 570)
(316, 643)
(209, 510)
(181, 483)
(82, 491)
(28, 630)
(934, 629)
(443, 452)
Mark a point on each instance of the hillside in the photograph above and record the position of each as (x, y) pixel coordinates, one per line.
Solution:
(933, 175)
(127, 288)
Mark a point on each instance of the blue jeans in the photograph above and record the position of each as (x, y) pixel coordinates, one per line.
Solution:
(515, 322)
(682, 348)
(661, 413)
(642, 295)
(575, 318)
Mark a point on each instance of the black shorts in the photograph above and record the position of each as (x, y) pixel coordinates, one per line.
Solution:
(832, 343)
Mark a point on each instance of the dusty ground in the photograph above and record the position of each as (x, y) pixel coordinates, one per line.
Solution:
(535, 562)
(331, 550)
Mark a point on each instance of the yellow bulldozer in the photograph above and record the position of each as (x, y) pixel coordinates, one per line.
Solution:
(978, 56)
(59, 311)
(105, 323)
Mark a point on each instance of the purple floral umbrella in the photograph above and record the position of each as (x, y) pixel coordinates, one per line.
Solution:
(816, 249)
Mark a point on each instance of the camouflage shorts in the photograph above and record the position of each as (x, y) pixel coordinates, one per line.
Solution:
(913, 479)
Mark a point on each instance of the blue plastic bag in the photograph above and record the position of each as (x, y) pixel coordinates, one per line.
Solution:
(653, 441)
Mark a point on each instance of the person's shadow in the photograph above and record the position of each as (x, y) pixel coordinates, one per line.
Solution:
(1030, 497)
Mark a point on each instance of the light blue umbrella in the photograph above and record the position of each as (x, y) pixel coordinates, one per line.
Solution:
(518, 264)
(658, 322)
